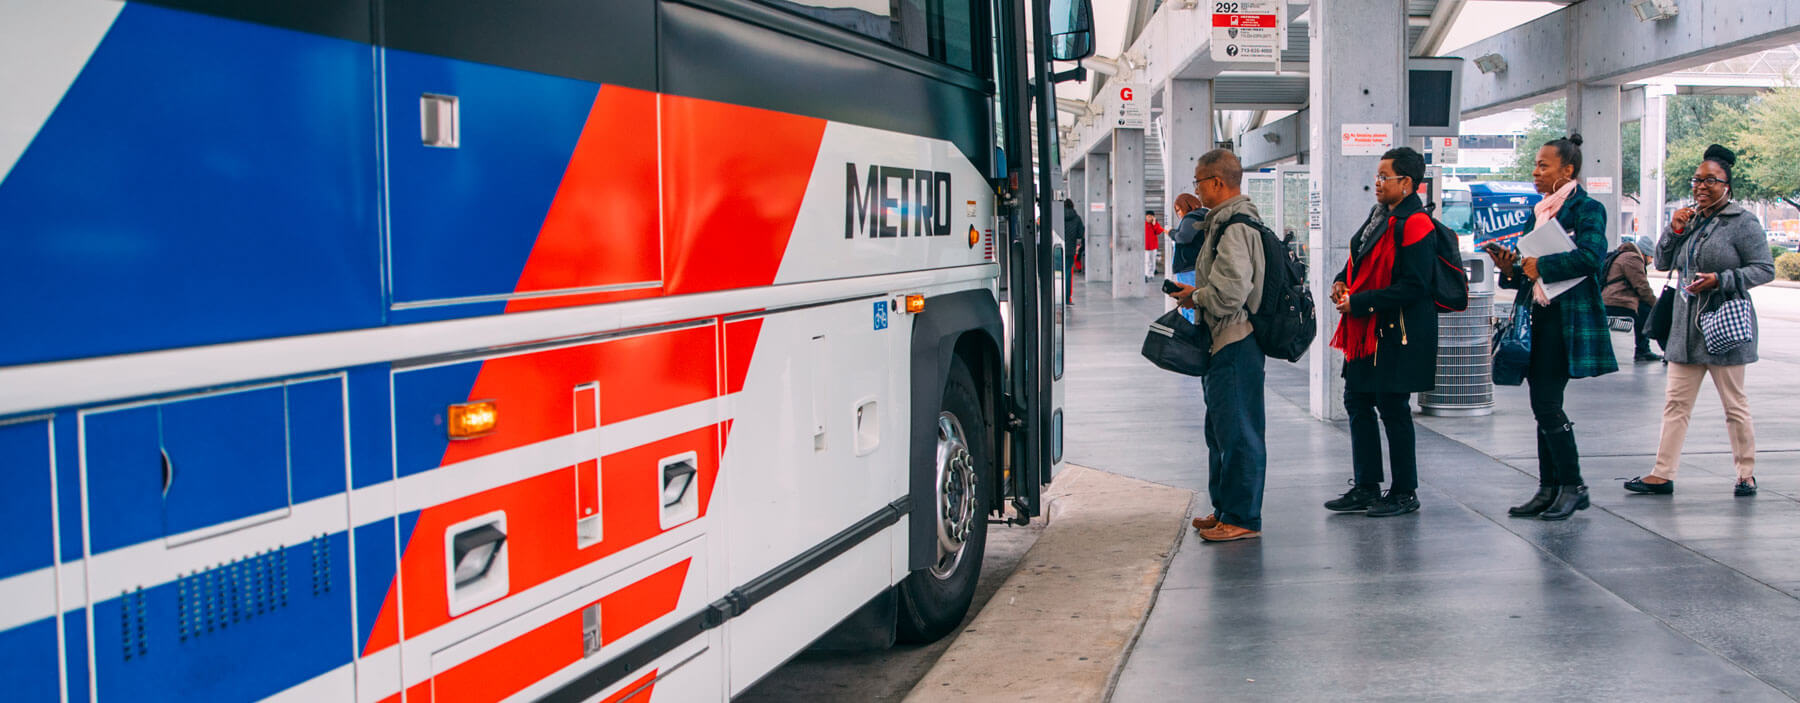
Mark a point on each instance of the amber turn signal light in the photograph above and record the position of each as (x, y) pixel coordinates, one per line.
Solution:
(915, 304)
(470, 420)
(974, 237)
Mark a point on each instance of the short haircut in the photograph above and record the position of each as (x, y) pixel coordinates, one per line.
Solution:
(1569, 150)
(1224, 164)
(1151, 213)
(1408, 163)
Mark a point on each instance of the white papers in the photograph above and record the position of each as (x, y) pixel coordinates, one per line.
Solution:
(1549, 238)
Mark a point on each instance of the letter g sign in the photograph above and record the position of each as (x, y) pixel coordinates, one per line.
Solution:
(1125, 94)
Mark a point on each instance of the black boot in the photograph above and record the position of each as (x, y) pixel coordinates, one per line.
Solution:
(1568, 500)
(1545, 496)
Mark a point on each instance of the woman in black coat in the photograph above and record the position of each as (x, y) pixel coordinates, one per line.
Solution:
(1388, 334)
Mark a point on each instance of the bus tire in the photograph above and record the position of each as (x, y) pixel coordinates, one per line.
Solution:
(934, 600)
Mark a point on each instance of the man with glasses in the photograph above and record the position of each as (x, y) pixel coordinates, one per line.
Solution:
(1388, 334)
(1228, 283)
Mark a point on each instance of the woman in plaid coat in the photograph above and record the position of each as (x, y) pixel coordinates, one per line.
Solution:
(1569, 337)
(1721, 251)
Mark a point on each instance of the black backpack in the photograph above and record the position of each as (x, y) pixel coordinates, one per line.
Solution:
(1449, 280)
(1286, 321)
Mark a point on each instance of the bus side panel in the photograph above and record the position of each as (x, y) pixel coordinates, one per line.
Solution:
(28, 645)
(604, 454)
(818, 442)
(198, 594)
(201, 180)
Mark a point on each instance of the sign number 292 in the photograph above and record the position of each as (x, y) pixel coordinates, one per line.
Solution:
(1225, 7)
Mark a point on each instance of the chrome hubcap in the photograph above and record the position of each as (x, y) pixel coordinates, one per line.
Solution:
(956, 513)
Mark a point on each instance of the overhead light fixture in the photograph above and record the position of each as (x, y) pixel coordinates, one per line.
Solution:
(1654, 10)
(1491, 63)
(1271, 137)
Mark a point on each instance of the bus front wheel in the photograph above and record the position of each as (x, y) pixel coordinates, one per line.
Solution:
(934, 600)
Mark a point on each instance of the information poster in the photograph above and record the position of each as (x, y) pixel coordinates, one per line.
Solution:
(1372, 139)
(1250, 31)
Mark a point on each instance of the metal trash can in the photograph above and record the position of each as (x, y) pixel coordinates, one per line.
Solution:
(1465, 377)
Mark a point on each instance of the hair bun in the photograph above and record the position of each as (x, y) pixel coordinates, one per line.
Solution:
(1575, 138)
(1721, 155)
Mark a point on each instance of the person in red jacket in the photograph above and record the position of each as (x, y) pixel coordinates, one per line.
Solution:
(1153, 232)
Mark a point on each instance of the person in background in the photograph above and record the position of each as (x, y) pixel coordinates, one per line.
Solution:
(1627, 293)
(1153, 231)
(1228, 282)
(1721, 252)
(1388, 334)
(1074, 236)
(1186, 233)
(1569, 337)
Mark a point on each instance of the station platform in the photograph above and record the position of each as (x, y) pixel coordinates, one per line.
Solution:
(1640, 598)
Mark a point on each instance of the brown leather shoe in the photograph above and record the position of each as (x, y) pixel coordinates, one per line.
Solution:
(1206, 523)
(1225, 533)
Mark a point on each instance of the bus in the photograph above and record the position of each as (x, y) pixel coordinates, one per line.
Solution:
(393, 350)
(1484, 211)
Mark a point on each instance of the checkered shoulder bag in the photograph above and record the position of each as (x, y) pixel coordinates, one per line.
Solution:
(1728, 326)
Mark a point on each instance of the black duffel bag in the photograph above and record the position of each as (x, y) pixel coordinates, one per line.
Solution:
(1175, 344)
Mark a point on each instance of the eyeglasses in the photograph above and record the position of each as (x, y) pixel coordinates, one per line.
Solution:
(1708, 182)
(1383, 179)
(1199, 181)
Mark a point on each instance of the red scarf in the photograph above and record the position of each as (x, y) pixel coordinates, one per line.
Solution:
(1356, 335)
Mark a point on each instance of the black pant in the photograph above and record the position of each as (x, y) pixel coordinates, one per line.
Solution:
(1395, 410)
(1640, 324)
(1558, 459)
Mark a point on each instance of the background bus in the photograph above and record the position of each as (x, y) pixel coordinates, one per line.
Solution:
(1487, 211)
(545, 349)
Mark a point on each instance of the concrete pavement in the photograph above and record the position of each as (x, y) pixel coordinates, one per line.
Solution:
(1640, 598)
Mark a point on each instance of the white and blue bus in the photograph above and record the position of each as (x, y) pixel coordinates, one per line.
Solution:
(445, 350)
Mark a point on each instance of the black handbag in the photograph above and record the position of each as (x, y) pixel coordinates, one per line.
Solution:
(1512, 348)
(1662, 317)
(1177, 345)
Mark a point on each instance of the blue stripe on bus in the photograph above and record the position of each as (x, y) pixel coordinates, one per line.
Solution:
(75, 654)
(203, 180)
(463, 221)
(25, 501)
(315, 412)
(371, 431)
(376, 565)
(241, 631)
(421, 398)
(28, 656)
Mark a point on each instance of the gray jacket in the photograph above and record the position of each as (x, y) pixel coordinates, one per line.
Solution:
(1228, 275)
(1731, 244)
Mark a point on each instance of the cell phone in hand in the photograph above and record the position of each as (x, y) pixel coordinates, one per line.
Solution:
(1171, 287)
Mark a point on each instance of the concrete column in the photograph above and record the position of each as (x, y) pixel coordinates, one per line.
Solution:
(1128, 213)
(1653, 149)
(1594, 112)
(1188, 106)
(1358, 69)
(1099, 222)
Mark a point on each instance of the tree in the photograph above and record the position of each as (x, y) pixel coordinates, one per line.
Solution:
(1696, 122)
(1771, 146)
(1631, 142)
(1549, 120)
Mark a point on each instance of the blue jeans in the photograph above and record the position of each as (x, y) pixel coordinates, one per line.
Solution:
(1235, 454)
(1186, 278)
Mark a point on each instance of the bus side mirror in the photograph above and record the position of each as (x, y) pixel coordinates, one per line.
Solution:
(1071, 29)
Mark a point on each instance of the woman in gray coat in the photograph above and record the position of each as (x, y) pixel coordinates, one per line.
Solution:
(1721, 252)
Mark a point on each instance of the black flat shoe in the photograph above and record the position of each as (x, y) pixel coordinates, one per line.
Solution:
(1637, 485)
(1537, 504)
(1647, 357)
(1745, 488)
(1568, 500)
